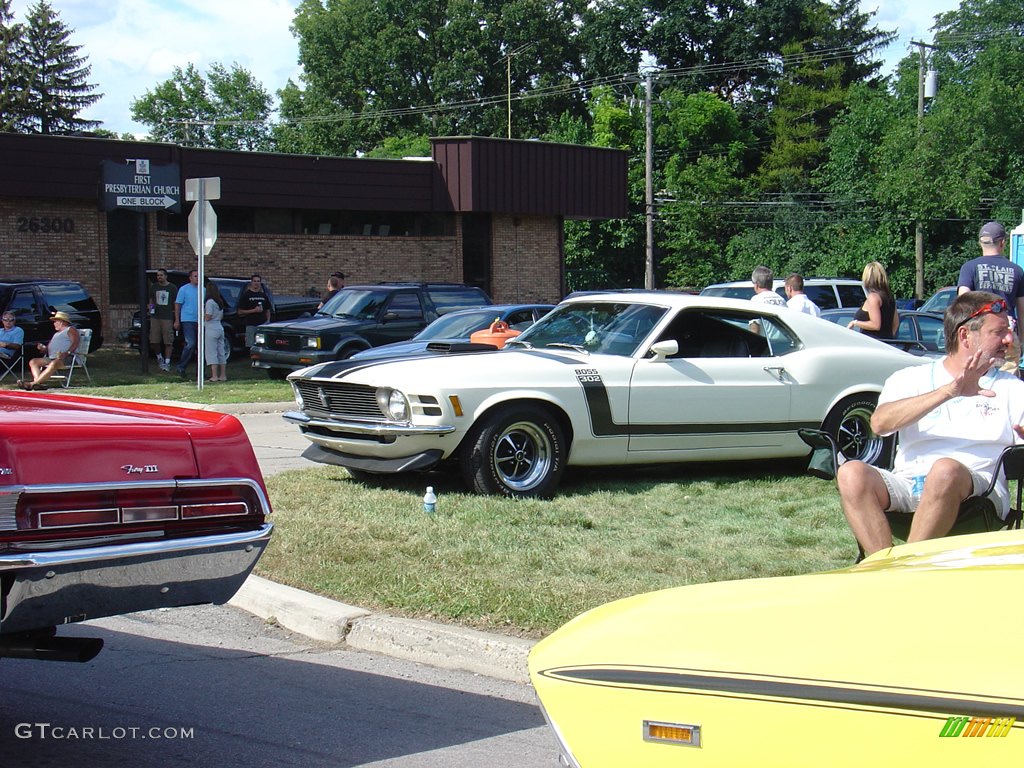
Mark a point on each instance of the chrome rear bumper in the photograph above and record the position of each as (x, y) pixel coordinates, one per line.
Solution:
(43, 589)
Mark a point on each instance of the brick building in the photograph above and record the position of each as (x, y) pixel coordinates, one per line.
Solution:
(483, 211)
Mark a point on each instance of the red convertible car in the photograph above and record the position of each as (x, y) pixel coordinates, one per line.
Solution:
(109, 507)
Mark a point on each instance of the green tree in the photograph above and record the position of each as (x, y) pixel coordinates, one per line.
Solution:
(607, 254)
(707, 145)
(55, 76)
(12, 74)
(376, 68)
(228, 109)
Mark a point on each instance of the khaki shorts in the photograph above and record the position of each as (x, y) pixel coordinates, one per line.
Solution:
(901, 485)
(161, 331)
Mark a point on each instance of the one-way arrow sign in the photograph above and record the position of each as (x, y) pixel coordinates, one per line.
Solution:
(139, 185)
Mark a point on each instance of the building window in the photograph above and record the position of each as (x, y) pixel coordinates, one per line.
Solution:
(284, 221)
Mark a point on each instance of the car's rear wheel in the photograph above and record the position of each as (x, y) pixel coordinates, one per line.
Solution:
(849, 424)
(517, 452)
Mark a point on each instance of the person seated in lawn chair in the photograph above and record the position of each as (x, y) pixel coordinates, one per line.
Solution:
(55, 354)
(954, 417)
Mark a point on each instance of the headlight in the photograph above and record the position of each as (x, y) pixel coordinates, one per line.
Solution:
(260, 338)
(298, 395)
(393, 404)
(313, 342)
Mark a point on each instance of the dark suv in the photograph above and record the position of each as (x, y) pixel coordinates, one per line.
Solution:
(33, 302)
(356, 318)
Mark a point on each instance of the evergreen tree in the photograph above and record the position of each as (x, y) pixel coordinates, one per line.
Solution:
(57, 88)
(12, 74)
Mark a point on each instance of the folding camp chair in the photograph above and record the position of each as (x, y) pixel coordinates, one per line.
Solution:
(13, 366)
(977, 513)
(77, 360)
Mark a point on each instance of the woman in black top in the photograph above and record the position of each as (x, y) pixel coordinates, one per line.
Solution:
(877, 317)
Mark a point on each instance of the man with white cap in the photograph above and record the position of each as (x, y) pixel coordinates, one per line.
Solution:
(994, 273)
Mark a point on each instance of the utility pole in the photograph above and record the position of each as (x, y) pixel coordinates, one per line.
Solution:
(507, 58)
(649, 184)
(919, 227)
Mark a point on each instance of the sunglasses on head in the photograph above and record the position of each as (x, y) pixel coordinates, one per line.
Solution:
(996, 307)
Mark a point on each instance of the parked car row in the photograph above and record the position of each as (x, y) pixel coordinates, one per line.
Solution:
(355, 319)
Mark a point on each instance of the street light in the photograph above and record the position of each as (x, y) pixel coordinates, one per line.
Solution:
(927, 84)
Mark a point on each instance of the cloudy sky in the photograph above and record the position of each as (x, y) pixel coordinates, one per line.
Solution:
(134, 44)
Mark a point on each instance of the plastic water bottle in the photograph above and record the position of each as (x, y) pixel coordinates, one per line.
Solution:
(917, 489)
(430, 501)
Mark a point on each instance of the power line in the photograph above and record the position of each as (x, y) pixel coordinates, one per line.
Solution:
(581, 86)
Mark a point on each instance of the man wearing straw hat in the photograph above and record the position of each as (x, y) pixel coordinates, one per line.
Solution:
(62, 345)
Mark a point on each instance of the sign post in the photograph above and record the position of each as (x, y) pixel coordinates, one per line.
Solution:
(202, 234)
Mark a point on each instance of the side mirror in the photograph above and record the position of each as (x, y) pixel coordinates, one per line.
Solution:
(664, 349)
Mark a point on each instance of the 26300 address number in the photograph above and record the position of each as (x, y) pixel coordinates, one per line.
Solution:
(43, 225)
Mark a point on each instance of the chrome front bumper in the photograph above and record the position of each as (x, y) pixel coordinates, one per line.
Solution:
(368, 428)
(43, 589)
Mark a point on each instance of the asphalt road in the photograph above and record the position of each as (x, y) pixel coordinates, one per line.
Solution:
(214, 686)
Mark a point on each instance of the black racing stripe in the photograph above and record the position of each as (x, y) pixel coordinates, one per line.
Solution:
(602, 425)
(341, 368)
(805, 692)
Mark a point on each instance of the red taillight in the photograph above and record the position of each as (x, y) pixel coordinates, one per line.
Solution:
(214, 510)
(134, 506)
(77, 517)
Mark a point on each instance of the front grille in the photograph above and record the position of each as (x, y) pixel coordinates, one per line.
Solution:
(345, 400)
(283, 343)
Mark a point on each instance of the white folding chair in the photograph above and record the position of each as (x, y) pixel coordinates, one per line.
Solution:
(78, 359)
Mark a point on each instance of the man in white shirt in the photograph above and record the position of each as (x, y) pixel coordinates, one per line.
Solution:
(954, 417)
(797, 298)
(762, 278)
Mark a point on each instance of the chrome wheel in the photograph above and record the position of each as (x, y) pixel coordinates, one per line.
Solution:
(850, 426)
(522, 456)
(520, 452)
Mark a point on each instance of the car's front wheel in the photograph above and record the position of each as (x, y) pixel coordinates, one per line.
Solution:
(516, 452)
(849, 424)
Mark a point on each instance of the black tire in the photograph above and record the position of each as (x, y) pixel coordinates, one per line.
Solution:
(517, 452)
(849, 423)
(278, 374)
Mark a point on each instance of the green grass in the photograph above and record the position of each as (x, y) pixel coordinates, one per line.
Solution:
(528, 566)
(117, 372)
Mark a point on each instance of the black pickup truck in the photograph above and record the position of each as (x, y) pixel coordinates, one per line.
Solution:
(283, 307)
(356, 318)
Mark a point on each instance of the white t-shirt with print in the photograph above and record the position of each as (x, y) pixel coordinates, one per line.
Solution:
(972, 430)
(768, 297)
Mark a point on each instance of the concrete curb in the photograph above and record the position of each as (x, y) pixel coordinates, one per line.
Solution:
(438, 645)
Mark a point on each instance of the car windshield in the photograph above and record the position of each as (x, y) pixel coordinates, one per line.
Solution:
(363, 304)
(457, 326)
(939, 301)
(729, 291)
(608, 328)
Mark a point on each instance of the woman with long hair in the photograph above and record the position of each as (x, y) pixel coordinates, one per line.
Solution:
(216, 346)
(877, 317)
